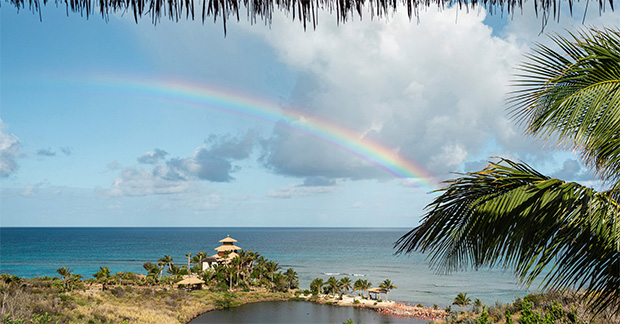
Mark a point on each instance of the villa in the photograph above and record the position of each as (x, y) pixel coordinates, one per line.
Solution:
(225, 253)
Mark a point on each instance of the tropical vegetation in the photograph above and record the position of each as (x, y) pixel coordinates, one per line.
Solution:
(44, 300)
(388, 285)
(511, 215)
(139, 297)
(547, 308)
(462, 300)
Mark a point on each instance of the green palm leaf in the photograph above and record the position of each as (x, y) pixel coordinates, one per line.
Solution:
(510, 215)
(574, 93)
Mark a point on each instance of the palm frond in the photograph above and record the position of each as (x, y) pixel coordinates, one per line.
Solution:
(510, 215)
(574, 93)
(306, 11)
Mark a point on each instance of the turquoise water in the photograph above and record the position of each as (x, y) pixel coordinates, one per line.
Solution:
(365, 253)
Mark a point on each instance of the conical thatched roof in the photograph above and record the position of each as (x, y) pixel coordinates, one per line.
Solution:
(190, 281)
(377, 290)
(228, 239)
(227, 248)
(306, 11)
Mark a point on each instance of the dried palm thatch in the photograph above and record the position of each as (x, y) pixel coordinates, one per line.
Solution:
(306, 11)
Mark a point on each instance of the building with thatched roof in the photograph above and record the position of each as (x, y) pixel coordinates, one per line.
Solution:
(376, 291)
(225, 253)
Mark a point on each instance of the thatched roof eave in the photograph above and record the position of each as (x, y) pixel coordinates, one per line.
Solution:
(305, 11)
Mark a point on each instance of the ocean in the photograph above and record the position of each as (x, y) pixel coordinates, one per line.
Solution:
(365, 253)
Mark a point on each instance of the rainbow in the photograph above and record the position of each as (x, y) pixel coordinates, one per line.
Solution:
(213, 97)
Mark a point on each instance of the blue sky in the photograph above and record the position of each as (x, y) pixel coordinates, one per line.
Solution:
(75, 150)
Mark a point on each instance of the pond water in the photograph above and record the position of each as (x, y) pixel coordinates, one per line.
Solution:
(297, 312)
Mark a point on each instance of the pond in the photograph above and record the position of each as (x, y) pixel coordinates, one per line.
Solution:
(297, 312)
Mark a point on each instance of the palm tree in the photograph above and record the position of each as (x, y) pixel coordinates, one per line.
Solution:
(358, 285)
(260, 264)
(103, 276)
(316, 285)
(291, 276)
(271, 267)
(345, 284)
(236, 263)
(332, 285)
(167, 260)
(230, 271)
(307, 12)
(174, 270)
(365, 286)
(66, 274)
(189, 269)
(388, 285)
(478, 306)
(462, 300)
(511, 215)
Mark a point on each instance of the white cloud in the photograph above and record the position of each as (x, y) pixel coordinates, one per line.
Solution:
(212, 162)
(141, 182)
(152, 157)
(29, 190)
(433, 91)
(9, 151)
(295, 191)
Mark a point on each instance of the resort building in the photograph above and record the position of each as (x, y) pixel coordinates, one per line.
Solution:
(225, 253)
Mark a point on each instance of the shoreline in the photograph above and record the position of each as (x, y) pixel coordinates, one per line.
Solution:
(389, 308)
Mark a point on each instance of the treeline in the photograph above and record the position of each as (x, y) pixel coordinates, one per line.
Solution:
(245, 271)
(341, 287)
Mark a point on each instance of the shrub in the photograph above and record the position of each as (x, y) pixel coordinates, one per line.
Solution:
(329, 303)
(356, 301)
(225, 301)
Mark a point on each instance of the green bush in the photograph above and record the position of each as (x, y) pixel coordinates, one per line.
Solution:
(225, 301)
(356, 301)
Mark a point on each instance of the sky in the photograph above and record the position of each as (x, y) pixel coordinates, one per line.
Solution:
(113, 123)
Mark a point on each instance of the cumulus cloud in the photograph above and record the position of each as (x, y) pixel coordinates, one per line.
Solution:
(46, 152)
(432, 92)
(152, 157)
(212, 162)
(572, 170)
(134, 181)
(9, 151)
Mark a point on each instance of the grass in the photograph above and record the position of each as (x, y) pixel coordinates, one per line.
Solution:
(39, 300)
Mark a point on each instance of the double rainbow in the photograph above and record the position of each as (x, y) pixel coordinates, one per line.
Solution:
(211, 97)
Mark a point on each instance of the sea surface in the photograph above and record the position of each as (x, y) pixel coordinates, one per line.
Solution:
(365, 253)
